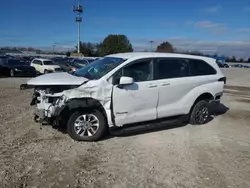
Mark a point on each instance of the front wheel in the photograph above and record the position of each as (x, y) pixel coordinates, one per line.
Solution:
(87, 126)
(200, 113)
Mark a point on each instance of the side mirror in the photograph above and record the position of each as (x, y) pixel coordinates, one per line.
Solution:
(124, 80)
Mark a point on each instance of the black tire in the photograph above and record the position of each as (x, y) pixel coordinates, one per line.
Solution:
(197, 113)
(100, 133)
(46, 71)
(12, 73)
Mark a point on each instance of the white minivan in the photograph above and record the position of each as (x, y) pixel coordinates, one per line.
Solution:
(45, 66)
(128, 88)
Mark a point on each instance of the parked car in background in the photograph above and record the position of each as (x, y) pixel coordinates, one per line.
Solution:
(45, 66)
(16, 67)
(80, 62)
(89, 59)
(57, 59)
(128, 88)
(222, 64)
(240, 66)
(84, 60)
(68, 66)
(26, 59)
(4, 57)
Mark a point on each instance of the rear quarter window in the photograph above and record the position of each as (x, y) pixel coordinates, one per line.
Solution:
(200, 68)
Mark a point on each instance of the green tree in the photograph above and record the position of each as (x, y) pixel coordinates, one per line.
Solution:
(227, 59)
(233, 59)
(115, 44)
(165, 47)
(241, 59)
(88, 49)
(248, 60)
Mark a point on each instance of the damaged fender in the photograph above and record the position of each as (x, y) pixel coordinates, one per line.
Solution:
(94, 93)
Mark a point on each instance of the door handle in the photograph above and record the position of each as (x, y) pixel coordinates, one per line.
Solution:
(165, 84)
(151, 85)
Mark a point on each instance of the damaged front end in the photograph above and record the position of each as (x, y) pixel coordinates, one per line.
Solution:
(48, 102)
(57, 95)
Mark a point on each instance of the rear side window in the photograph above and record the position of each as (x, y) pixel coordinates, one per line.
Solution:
(171, 68)
(200, 68)
(37, 62)
(48, 63)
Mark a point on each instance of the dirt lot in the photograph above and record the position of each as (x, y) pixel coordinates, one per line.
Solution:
(213, 155)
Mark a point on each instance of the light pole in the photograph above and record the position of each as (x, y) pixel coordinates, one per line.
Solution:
(151, 45)
(78, 9)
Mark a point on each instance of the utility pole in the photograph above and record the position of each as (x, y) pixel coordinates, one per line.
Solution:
(78, 9)
(151, 45)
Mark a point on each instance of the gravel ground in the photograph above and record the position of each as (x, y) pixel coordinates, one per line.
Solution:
(213, 155)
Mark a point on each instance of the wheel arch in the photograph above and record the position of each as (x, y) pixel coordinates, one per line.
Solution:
(203, 96)
(79, 104)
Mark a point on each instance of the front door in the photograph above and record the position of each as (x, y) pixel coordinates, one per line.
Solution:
(136, 102)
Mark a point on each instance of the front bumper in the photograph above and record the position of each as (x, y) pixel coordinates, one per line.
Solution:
(40, 113)
(47, 109)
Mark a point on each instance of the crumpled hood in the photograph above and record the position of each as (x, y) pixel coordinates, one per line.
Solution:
(61, 78)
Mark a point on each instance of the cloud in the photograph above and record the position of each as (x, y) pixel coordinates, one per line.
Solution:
(213, 9)
(246, 9)
(189, 22)
(218, 28)
(244, 30)
(229, 48)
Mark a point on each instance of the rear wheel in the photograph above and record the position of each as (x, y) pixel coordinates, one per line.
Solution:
(87, 126)
(12, 72)
(46, 71)
(200, 113)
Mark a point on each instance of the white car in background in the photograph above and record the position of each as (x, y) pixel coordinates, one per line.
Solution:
(128, 88)
(45, 66)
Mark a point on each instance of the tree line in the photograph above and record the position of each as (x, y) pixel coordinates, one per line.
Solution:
(120, 43)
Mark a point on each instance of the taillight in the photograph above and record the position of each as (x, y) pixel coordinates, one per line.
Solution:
(223, 79)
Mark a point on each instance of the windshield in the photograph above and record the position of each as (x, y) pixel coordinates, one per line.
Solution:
(48, 63)
(99, 68)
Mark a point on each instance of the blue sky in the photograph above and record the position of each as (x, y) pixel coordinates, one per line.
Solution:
(221, 26)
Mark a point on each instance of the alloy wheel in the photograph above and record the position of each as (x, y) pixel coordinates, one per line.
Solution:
(86, 125)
